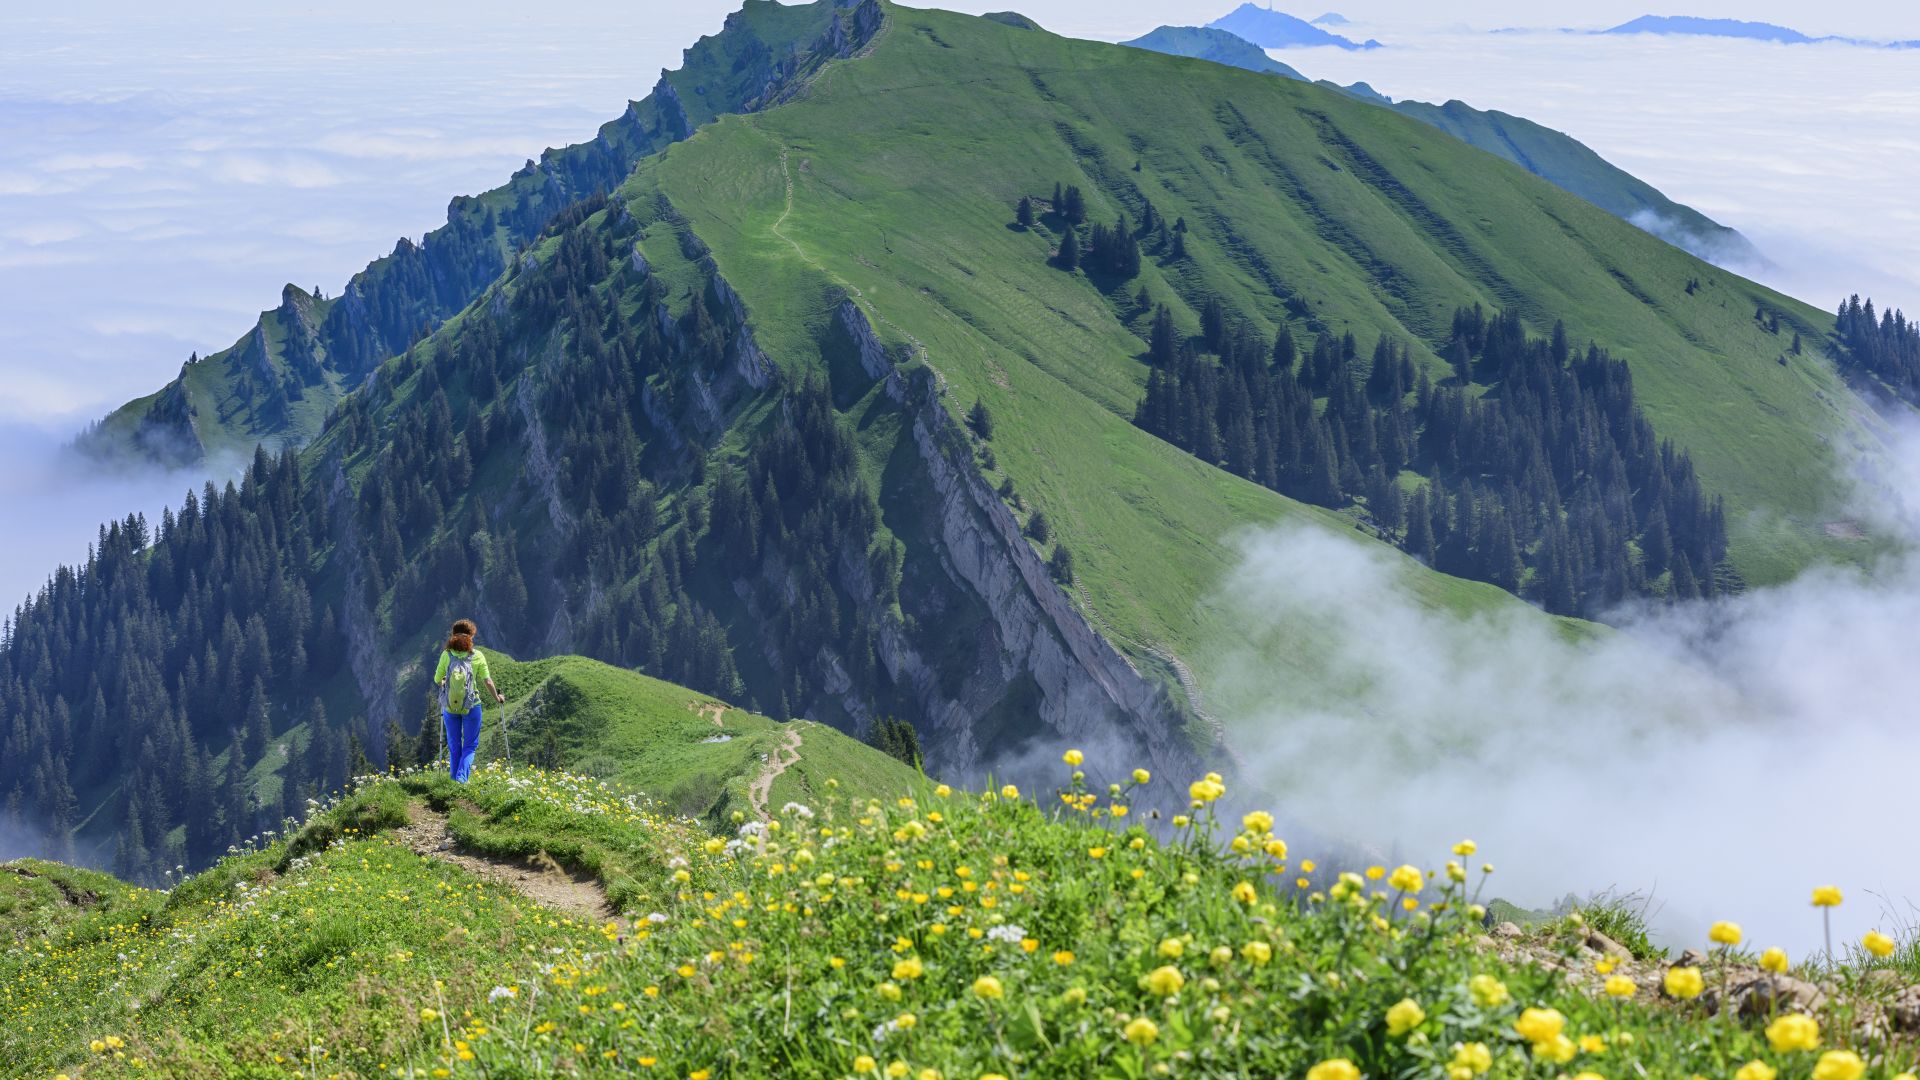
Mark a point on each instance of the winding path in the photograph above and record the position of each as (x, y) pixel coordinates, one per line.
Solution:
(785, 756)
(538, 878)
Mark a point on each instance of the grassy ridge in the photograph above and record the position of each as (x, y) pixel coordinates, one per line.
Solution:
(939, 935)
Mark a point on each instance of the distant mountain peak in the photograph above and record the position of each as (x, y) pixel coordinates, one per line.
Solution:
(1272, 29)
(1696, 26)
(1332, 18)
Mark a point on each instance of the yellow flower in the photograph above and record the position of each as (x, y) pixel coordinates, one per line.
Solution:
(1558, 1050)
(1839, 1065)
(97, 1046)
(1539, 1025)
(1335, 1069)
(1755, 1070)
(1620, 986)
(1403, 1016)
(863, 1064)
(1878, 943)
(1171, 948)
(1063, 957)
(1826, 896)
(1259, 822)
(1593, 1044)
(908, 968)
(1774, 960)
(1141, 776)
(428, 1016)
(1724, 933)
(1276, 848)
(986, 986)
(1794, 1031)
(1463, 849)
(1470, 1059)
(897, 1070)
(1073, 757)
(1243, 892)
(1684, 982)
(1488, 992)
(1588, 1076)
(1141, 1031)
(1165, 981)
(1097, 852)
(1258, 952)
(943, 791)
(1407, 879)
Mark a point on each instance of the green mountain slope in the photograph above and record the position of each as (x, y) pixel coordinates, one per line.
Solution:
(1555, 157)
(276, 384)
(544, 923)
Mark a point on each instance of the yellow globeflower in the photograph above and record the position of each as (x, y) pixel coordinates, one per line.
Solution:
(1073, 757)
(897, 1070)
(1469, 1059)
(1826, 896)
(1171, 948)
(1589, 1075)
(1063, 957)
(1141, 1031)
(1684, 982)
(1463, 849)
(1243, 892)
(1009, 792)
(1403, 1016)
(1141, 776)
(1407, 879)
(1755, 1070)
(943, 791)
(1259, 952)
(986, 986)
(1487, 991)
(1774, 960)
(1335, 1069)
(1620, 986)
(863, 1064)
(1878, 943)
(908, 968)
(1165, 981)
(1259, 822)
(1794, 1031)
(1724, 933)
(1839, 1065)
(1205, 791)
(1539, 1025)
(1558, 1050)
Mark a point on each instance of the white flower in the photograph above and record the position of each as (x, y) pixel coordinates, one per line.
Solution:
(797, 810)
(880, 1033)
(499, 992)
(656, 917)
(676, 863)
(1009, 934)
(752, 829)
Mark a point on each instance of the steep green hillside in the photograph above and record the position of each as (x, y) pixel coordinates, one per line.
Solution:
(542, 923)
(1551, 155)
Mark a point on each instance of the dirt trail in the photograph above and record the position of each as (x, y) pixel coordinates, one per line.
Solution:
(788, 754)
(712, 710)
(538, 878)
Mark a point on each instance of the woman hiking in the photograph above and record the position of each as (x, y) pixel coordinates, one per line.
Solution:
(462, 668)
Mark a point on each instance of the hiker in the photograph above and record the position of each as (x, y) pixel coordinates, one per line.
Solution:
(462, 668)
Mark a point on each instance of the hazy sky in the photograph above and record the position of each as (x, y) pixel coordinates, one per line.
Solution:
(161, 178)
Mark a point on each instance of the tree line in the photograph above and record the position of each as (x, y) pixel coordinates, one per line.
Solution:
(1530, 466)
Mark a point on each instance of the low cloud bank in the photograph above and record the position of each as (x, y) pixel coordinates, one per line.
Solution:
(1726, 757)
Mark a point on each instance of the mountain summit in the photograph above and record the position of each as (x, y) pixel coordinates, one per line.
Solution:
(1272, 29)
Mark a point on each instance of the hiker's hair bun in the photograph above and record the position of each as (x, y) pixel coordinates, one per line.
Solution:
(460, 643)
(464, 626)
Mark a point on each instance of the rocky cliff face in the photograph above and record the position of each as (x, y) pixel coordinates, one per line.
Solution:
(1080, 689)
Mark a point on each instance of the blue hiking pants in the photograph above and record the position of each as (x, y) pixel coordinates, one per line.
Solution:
(463, 738)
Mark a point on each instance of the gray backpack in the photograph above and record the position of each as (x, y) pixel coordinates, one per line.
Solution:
(459, 667)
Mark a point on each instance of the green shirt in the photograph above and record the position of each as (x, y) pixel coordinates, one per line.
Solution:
(480, 674)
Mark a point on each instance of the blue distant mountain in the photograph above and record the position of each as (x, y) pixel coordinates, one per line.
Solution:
(1209, 43)
(1693, 26)
(1272, 29)
(1697, 27)
(1331, 18)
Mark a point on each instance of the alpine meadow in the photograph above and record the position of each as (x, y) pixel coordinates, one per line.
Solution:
(853, 480)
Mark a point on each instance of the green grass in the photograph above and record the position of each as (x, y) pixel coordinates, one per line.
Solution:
(972, 934)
